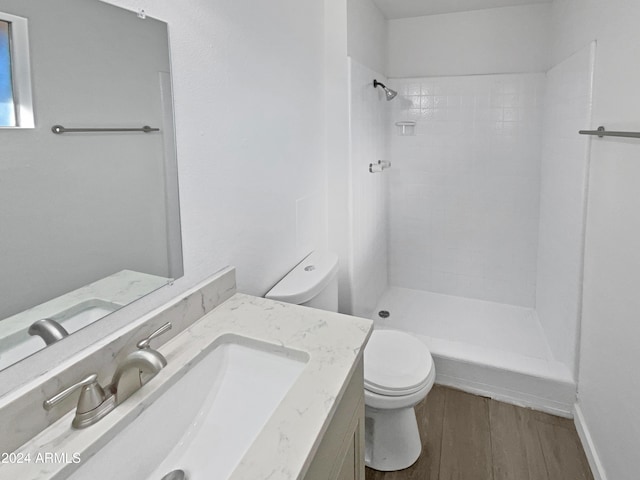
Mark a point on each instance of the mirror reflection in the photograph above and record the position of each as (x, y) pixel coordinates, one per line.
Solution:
(89, 218)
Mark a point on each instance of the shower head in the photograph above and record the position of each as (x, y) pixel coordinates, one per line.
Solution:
(390, 94)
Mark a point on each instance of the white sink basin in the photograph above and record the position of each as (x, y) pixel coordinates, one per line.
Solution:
(84, 313)
(205, 422)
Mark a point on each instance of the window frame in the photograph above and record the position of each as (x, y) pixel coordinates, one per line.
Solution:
(20, 70)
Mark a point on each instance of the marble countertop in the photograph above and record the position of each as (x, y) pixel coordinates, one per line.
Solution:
(286, 445)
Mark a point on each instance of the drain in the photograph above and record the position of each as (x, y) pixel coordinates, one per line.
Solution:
(175, 475)
(384, 314)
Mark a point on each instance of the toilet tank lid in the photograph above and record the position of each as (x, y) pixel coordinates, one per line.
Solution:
(307, 279)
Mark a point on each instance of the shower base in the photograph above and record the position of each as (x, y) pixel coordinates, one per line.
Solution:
(483, 347)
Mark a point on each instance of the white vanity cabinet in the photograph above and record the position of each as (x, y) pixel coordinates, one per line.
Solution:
(340, 455)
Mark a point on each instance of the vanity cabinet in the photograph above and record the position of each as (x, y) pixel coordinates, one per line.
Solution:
(340, 455)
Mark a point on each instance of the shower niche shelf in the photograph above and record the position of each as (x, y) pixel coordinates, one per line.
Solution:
(406, 128)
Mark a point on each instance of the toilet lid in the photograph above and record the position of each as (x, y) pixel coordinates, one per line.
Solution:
(395, 363)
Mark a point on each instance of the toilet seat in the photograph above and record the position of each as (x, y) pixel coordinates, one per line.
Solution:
(387, 402)
(396, 364)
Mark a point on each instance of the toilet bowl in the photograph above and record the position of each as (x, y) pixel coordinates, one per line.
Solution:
(398, 368)
(399, 373)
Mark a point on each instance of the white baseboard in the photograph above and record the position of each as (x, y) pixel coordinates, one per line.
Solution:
(587, 444)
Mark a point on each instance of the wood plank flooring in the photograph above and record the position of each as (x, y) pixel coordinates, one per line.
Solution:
(466, 437)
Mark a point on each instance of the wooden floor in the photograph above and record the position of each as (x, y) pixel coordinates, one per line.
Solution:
(466, 437)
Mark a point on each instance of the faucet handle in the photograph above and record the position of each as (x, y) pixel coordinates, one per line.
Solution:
(146, 342)
(91, 396)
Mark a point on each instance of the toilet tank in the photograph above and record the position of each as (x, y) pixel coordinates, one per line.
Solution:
(312, 283)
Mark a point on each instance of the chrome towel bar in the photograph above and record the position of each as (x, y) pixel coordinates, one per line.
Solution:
(59, 129)
(601, 132)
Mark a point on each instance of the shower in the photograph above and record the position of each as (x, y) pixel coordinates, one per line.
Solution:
(458, 244)
(390, 94)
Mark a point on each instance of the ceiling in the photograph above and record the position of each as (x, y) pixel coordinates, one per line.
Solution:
(418, 8)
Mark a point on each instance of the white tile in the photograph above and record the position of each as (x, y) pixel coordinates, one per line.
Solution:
(484, 172)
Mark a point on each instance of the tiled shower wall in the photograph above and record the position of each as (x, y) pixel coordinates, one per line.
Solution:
(368, 249)
(563, 189)
(464, 192)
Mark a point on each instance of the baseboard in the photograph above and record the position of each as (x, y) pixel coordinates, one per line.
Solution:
(548, 395)
(587, 444)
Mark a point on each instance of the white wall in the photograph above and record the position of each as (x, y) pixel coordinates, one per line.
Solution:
(337, 91)
(249, 106)
(464, 189)
(609, 384)
(500, 40)
(367, 34)
(563, 190)
(369, 222)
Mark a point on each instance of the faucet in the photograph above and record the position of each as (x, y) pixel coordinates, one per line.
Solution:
(136, 370)
(50, 330)
(138, 367)
(93, 405)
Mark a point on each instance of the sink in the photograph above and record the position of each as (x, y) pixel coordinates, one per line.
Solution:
(84, 313)
(203, 423)
(20, 345)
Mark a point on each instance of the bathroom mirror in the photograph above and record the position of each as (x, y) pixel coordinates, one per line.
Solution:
(89, 219)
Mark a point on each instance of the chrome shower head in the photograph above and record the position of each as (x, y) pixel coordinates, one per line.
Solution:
(390, 94)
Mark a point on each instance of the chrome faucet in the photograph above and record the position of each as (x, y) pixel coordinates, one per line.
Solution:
(136, 370)
(49, 330)
(138, 367)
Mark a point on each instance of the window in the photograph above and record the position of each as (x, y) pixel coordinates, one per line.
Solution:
(7, 104)
(16, 106)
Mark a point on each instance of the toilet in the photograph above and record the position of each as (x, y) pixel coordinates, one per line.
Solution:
(398, 368)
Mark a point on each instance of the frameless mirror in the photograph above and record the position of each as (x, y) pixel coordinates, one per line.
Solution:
(89, 216)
